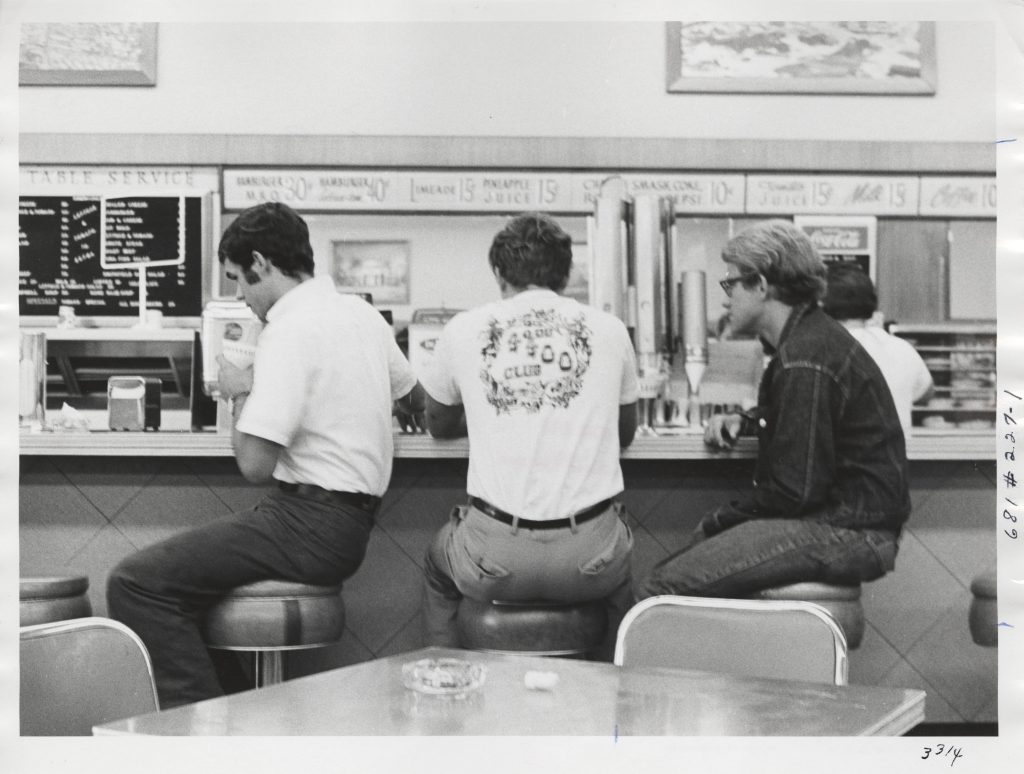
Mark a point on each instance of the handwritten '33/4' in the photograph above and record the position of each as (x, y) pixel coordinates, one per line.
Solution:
(941, 750)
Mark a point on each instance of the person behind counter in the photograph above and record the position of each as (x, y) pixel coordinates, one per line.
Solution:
(546, 388)
(313, 414)
(851, 299)
(830, 488)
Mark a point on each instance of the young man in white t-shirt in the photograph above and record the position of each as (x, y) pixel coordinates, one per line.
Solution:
(850, 298)
(546, 388)
(313, 416)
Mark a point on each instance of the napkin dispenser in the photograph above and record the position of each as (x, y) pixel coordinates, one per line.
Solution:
(133, 402)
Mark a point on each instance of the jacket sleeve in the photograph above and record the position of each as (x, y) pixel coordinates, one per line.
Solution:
(796, 458)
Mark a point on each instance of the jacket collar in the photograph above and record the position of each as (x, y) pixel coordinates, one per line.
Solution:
(798, 313)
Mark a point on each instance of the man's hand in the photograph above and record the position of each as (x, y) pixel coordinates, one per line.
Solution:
(722, 430)
(414, 422)
(231, 379)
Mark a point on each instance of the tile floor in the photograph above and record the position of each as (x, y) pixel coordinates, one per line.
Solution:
(82, 515)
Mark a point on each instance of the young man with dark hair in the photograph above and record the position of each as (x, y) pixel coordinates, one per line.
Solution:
(830, 490)
(546, 388)
(313, 416)
(851, 299)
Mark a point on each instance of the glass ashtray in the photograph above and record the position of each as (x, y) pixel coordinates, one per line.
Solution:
(443, 676)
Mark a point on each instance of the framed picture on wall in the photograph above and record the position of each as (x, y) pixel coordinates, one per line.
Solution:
(802, 57)
(379, 268)
(87, 54)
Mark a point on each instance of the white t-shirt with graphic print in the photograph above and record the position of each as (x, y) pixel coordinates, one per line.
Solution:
(541, 378)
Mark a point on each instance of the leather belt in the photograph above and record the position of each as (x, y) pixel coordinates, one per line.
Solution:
(366, 502)
(496, 513)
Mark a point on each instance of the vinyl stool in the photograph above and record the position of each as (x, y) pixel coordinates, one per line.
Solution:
(533, 628)
(983, 615)
(272, 616)
(843, 602)
(48, 599)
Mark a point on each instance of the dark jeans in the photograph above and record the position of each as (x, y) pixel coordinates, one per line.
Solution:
(762, 553)
(162, 591)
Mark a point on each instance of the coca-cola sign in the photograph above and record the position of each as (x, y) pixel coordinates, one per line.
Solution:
(833, 239)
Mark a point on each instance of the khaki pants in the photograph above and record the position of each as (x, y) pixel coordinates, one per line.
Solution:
(480, 557)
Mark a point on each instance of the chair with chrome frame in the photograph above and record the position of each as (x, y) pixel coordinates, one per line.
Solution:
(779, 639)
(81, 673)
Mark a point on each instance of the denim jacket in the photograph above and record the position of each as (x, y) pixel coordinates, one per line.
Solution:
(830, 445)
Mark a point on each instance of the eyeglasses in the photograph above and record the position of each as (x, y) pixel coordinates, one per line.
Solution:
(729, 282)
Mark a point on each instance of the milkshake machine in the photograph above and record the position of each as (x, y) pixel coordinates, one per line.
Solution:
(693, 315)
(631, 276)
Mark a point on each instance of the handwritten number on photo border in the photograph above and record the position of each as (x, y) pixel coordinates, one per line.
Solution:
(1009, 478)
(943, 750)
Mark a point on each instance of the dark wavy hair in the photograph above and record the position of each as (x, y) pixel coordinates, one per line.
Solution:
(782, 254)
(532, 250)
(275, 230)
(850, 294)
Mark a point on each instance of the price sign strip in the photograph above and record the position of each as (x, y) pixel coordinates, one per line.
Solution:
(373, 190)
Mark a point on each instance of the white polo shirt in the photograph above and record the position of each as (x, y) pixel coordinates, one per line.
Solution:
(327, 369)
(905, 372)
(541, 378)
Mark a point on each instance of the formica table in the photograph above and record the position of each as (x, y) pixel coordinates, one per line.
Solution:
(589, 699)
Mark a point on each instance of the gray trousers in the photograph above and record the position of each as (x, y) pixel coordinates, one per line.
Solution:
(482, 558)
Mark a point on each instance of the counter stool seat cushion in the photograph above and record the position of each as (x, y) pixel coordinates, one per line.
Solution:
(276, 615)
(56, 598)
(843, 602)
(542, 628)
(984, 585)
(983, 616)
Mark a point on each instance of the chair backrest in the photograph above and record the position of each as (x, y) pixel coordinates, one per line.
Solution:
(761, 638)
(80, 673)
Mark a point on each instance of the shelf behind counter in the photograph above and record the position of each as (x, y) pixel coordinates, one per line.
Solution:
(921, 445)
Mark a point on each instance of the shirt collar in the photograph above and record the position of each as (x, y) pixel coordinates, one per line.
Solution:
(535, 293)
(300, 295)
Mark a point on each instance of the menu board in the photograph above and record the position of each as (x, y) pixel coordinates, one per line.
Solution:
(61, 244)
(142, 232)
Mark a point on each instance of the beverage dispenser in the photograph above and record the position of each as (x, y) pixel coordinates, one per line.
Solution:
(631, 276)
(694, 324)
(609, 239)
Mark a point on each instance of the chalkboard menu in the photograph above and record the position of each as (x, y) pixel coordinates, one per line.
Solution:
(60, 240)
(142, 232)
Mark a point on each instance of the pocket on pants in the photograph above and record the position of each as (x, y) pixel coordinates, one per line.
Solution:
(863, 558)
(614, 554)
(481, 566)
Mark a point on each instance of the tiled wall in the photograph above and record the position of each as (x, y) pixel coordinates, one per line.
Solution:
(82, 515)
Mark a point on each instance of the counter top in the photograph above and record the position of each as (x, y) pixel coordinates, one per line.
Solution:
(921, 445)
(115, 334)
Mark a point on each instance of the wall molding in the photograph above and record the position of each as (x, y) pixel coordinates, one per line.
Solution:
(620, 153)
